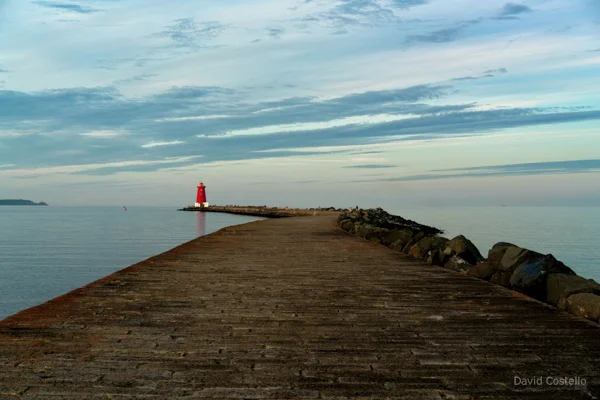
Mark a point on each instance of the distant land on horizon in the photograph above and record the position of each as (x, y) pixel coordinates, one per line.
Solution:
(21, 202)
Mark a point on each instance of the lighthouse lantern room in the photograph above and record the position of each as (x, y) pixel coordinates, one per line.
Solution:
(201, 196)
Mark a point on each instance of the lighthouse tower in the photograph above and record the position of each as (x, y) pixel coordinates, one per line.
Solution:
(201, 196)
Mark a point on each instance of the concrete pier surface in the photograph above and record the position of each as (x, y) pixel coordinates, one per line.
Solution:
(295, 308)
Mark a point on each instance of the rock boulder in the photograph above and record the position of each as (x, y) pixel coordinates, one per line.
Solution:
(457, 264)
(530, 277)
(496, 253)
(397, 245)
(560, 286)
(513, 257)
(483, 270)
(465, 249)
(346, 224)
(415, 239)
(363, 230)
(422, 248)
(381, 219)
(397, 235)
(377, 234)
(439, 243)
(585, 305)
(437, 257)
(501, 278)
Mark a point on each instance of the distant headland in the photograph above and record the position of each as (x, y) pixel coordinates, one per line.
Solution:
(21, 202)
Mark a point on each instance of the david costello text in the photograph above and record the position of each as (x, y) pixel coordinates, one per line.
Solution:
(549, 381)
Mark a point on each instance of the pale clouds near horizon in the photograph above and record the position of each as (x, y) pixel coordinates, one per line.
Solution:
(297, 102)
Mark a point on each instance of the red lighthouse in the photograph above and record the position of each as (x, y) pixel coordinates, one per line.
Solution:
(201, 196)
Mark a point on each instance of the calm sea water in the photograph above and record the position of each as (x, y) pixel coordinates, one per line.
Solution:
(571, 234)
(48, 251)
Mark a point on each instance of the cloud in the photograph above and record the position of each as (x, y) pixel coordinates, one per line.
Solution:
(192, 118)
(512, 9)
(187, 32)
(193, 92)
(496, 71)
(564, 166)
(538, 168)
(159, 144)
(103, 134)
(404, 4)
(79, 168)
(312, 126)
(113, 127)
(444, 35)
(467, 78)
(73, 7)
(136, 78)
(371, 166)
(275, 32)
(87, 96)
(490, 73)
(408, 95)
(354, 13)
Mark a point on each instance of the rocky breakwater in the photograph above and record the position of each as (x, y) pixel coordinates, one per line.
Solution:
(264, 211)
(537, 275)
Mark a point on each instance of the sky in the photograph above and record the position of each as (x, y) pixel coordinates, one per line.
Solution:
(300, 102)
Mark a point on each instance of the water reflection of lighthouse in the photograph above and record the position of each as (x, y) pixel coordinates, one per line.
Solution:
(200, 223)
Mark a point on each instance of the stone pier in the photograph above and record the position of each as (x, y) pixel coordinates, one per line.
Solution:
(295, 308)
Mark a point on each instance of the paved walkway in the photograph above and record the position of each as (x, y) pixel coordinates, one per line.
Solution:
(293, 308)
